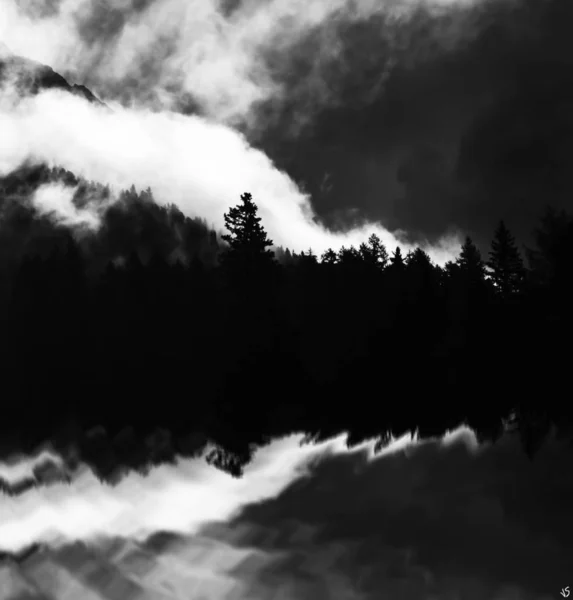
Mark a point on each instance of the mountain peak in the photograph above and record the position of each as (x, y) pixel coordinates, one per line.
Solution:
(31, 77)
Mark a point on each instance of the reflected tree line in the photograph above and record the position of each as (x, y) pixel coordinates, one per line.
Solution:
(157, 321)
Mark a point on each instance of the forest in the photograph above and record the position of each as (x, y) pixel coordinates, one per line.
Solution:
(156, 321)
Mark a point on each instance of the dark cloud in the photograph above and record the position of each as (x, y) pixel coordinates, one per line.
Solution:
(385, 100)
(517, 154)
(100, 29)
(426, 521)
(105, 21)
(434, 521)
(494, 107)
(425, 175)
(436, 121)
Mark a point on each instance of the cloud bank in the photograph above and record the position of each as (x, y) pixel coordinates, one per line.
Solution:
(237, 64)
(227, 56)
(196, 164)
(441, 518)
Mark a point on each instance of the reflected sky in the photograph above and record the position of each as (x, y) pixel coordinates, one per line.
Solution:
(439, 519)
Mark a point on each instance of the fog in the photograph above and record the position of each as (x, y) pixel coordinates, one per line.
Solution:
(187, 83)
(199, 165)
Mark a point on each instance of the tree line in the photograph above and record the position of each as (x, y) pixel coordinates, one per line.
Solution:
(244, 342)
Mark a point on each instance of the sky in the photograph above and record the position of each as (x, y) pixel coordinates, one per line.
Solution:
(443, 519)
(421, 120)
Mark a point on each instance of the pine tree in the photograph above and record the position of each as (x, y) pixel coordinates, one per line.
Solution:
(283, 256)
(397, 259)
(471, 264)
(505, 263)
(422, 278)
(374, 252)
(249, 270)
(366, 254)
(419, 260)
(550, 261)
(248, 253)
(379, 250)
(450, 272)
(309, 257)
(348, 256)
(329, 257)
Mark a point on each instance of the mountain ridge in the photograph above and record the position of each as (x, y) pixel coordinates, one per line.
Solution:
(31, 77)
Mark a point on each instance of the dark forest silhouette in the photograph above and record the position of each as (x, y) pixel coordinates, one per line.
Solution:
(157, 321)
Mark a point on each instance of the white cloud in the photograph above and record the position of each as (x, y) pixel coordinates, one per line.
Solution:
(195, 46)
(55, 200)
(201, 166)
(179, 498)
(154, 54)
(432, 519)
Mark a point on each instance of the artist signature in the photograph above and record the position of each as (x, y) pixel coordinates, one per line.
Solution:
(565, 592)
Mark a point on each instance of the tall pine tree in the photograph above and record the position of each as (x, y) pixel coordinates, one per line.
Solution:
(470, 263)
(248, 255)
(397, 259)
(550, 262)
(505, 264)
(374, 252)
(250, 272)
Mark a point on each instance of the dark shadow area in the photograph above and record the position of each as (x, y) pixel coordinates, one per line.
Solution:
(157, 323)
(154, 322)
(432, 521)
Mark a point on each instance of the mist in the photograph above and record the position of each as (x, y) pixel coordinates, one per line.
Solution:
(200, 166)
(56, 201)
(227, 56)
(195, 85)
(180, 498)
(219, 535)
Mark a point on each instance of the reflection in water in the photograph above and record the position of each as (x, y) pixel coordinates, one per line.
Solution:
(438, 519)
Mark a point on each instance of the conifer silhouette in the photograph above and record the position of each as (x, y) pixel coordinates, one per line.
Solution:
(471, 263)
(249, 246)
(505, 264)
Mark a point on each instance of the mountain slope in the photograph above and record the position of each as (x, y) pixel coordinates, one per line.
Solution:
(31, 77)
